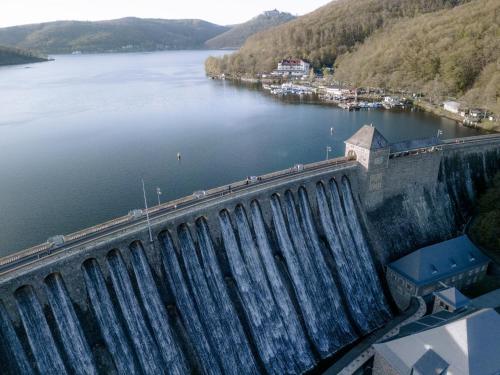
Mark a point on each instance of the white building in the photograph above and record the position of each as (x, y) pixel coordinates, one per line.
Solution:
(457, 345)
(337, 92)
(451, 106)
(292, 67)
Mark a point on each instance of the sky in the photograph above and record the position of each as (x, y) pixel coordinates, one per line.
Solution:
(223, 12)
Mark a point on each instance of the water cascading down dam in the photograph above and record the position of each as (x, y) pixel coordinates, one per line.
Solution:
(270, 277)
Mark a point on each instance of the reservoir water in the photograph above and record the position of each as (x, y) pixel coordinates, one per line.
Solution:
(78, 133)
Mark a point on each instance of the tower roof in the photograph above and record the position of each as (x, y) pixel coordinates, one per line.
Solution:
(452, 297)
(368, 137)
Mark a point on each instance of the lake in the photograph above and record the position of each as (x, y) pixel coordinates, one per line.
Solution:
(77, 134)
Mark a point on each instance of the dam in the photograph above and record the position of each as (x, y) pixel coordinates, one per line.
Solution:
(270, 275)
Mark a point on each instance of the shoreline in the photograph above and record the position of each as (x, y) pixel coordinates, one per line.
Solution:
(488, 126)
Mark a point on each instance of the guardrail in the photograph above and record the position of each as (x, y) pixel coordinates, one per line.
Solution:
(190, 200)
(446, 144)
(47, 247)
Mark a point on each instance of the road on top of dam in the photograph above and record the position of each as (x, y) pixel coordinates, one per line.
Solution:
(170, 209)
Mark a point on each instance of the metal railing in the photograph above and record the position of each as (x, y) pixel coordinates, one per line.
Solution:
(447, 144)
(189, 201)
(171, 206)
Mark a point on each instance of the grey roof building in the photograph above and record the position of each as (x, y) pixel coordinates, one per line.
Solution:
(368, 137)
(469, 345)
(456, 262)
(491, 299)
(449, 299)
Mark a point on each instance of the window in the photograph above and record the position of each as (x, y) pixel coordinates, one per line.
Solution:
(433, 269)
(453, 263)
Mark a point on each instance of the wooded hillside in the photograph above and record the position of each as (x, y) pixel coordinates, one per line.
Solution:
(238, 34)
(122, 35)
(323, 35)
(13, 56)
(452, 53)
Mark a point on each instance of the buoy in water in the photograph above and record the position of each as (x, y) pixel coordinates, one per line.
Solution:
(178, 156)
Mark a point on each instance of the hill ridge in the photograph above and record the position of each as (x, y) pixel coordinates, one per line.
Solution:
(238, 34)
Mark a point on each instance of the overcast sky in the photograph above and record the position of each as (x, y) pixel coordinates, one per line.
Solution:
(223, 12)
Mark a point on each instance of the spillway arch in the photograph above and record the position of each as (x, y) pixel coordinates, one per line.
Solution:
(257, 275)
(280, 275)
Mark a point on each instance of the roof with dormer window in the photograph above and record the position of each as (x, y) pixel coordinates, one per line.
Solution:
(439, 261)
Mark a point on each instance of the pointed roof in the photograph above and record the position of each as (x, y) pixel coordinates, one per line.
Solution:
(368, 137)
(434, 262)
(452, 297)
(469, 346)
(430, 363)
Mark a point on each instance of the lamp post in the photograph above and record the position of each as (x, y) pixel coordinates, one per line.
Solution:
(147, 212)
(158, 193)
(328, 150)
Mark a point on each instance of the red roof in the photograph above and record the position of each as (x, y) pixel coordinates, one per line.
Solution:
(291, 62)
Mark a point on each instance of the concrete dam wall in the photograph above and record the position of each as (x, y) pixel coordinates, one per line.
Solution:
(429, 197)
(271, 279)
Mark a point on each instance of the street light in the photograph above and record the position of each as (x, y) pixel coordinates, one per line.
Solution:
(328, 150)
(147, 212)
(158, 193)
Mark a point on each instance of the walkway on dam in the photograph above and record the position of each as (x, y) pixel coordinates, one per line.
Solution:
(361, 353)
(138, 218)
(179, 206)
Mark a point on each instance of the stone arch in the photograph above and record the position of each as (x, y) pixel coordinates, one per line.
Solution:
(351, 155)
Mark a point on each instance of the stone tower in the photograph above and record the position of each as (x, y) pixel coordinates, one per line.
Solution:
(369, 147)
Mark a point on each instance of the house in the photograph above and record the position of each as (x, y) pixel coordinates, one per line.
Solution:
(456, 262)
(477, 113)
(461, 345)
(391, 102)
(451, 106)
(292, 67)
(337, 93)
(449, 299)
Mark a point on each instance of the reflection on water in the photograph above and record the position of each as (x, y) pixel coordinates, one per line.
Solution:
(77, 134)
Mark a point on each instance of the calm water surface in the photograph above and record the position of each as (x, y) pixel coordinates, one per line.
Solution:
(77, 134)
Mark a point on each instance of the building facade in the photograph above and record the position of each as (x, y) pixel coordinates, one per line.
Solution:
(453, 263)
(369, 147)
(465, 344)
(451, 106)
(292, 67)
(449, 299)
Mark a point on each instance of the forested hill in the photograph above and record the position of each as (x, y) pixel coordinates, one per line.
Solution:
(121, 35)
(238, 34)
(13, 56)
(323, 35)
(449, 53)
